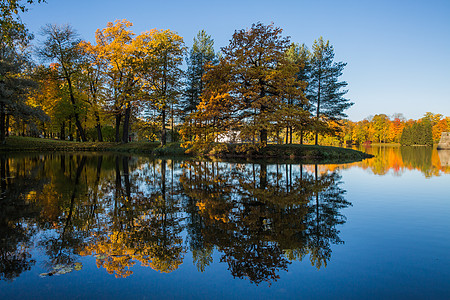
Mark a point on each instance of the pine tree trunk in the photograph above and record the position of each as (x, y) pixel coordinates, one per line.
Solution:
(317, 115)
(172, 133)
(163, 128)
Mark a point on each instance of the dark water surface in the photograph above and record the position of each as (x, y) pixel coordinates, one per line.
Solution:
(113, 227)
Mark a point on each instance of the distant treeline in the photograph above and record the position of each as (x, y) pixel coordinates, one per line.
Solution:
(396, 129)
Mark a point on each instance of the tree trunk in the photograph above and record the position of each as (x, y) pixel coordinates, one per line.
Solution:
(317, 115)
(172, 133)
(118, 119)
(263, 136)
(62, 134)
(287, 134)
(301, 136)
(43, 129)
(163, 127)
(99, 127)
(70, 131)
(290, 137)
(75, 109)
(126, 124)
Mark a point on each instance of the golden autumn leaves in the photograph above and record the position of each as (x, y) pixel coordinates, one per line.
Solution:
(114, 80)
(141, 69)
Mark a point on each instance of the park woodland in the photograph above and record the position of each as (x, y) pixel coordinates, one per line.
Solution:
(261, 88)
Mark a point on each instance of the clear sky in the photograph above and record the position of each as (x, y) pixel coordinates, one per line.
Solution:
(397, 51)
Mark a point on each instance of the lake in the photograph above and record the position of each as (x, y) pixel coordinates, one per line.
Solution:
(83, 226)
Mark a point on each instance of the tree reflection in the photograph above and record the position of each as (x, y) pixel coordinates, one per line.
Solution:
(398, 159)
(62, 243)
(127, 210)
(17, 181)
(144, 225)
(259, 218)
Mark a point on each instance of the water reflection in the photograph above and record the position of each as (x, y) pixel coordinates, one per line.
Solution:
(428, 160)
(127, 210)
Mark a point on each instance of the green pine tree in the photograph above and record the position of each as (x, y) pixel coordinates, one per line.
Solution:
(325, 91)
(201, 53)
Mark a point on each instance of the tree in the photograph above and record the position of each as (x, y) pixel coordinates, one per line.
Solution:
(249, 84)
(62, 46)
(161, 54)
(300, 56)
(417, 133)
(115, 47)
(10, 21)
(380, 124)
(324, 89)
(94, 80)
(15, 83)
(201, 53)
(396, 127)
(52, 98)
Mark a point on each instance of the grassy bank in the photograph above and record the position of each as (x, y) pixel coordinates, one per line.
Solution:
(231, 151)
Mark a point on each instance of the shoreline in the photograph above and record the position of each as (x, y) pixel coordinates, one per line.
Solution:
(284, 152)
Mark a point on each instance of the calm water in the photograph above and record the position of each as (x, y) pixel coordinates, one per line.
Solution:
(113, 227)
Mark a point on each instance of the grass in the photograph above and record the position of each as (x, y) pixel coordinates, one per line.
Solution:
(230, 151)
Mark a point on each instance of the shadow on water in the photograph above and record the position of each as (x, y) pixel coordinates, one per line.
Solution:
(121, 210)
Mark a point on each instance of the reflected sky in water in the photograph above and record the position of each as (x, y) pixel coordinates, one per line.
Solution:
(84, 225)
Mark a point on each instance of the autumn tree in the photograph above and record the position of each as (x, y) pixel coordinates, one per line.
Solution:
(325, 91)
(249, 84)
(438, 124)
(62, 46)
(114, 46)
(52, 97)
(160, 53)
(381, 125)
(93, 79)
(396, 127)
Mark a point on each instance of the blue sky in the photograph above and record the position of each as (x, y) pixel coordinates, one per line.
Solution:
(397, 52)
